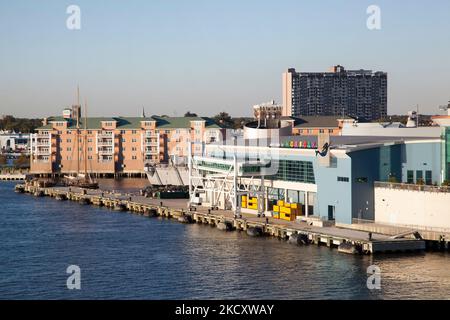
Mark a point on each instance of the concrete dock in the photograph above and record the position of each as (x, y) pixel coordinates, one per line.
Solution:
(13, 176)
(346, 240)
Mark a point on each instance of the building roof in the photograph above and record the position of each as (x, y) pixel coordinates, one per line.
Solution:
(353, 143)
(318, 121)
(134, 122)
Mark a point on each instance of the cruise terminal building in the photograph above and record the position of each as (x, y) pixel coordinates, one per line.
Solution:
(331, 178)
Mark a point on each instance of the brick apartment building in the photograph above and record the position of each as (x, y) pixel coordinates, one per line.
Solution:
(116, 145)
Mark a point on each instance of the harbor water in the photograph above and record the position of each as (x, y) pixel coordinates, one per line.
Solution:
(126, 256)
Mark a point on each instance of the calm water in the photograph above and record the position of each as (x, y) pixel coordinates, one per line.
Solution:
(125, 256)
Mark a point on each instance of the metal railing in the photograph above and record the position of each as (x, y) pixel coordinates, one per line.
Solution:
(411, 187)
(400, 225)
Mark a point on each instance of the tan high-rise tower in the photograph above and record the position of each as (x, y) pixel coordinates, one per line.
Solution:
(287, 92)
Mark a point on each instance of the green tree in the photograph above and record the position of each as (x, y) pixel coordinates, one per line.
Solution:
(22, 161)
(224, 119)
(190, 114)
(19, 124)
(392, 179)
(2, 160)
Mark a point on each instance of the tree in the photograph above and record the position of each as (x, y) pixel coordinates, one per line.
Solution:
(19, 124)
(224, 119)
(190, 115)
(22, 161)
(392, 179)
(2, 160)
(240, 122)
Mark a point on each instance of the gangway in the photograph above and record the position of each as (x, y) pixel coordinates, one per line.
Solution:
(223, 181)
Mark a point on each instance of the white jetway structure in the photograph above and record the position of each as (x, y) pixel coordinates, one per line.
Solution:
(219, 183)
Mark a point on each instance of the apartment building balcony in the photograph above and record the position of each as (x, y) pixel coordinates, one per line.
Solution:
(43, 152)
(42, 159)
(150, 134)
(151, 143)
(105, 158)
(105, 142)
(105, 134)
(151, 151)
(43, 142)
(42, 136)
(105, 150)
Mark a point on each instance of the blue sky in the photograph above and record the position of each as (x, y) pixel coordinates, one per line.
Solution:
(171, 56)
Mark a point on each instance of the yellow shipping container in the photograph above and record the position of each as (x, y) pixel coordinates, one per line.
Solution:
(280, 203)
(276, 208)
(287, 217)
(244, 204)
(285, 210)
(244, 198)
(294, 205)
(287, 205)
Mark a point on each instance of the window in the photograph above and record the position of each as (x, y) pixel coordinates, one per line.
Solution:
(291, 170)
(133, 140)
(410, 176)
(419, 176)
(123, 140)
(321, 131)
(330, 130)
(343, 179)
(133, 131)
(133, 149)
(428, 177)
(331, 212)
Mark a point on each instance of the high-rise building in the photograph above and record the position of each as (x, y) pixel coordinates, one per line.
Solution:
(356, 93)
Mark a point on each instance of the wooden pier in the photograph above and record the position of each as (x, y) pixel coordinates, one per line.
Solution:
(345, 240)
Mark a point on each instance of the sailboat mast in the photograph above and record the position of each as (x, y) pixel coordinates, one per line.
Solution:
(78, 130)
(85, 139)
